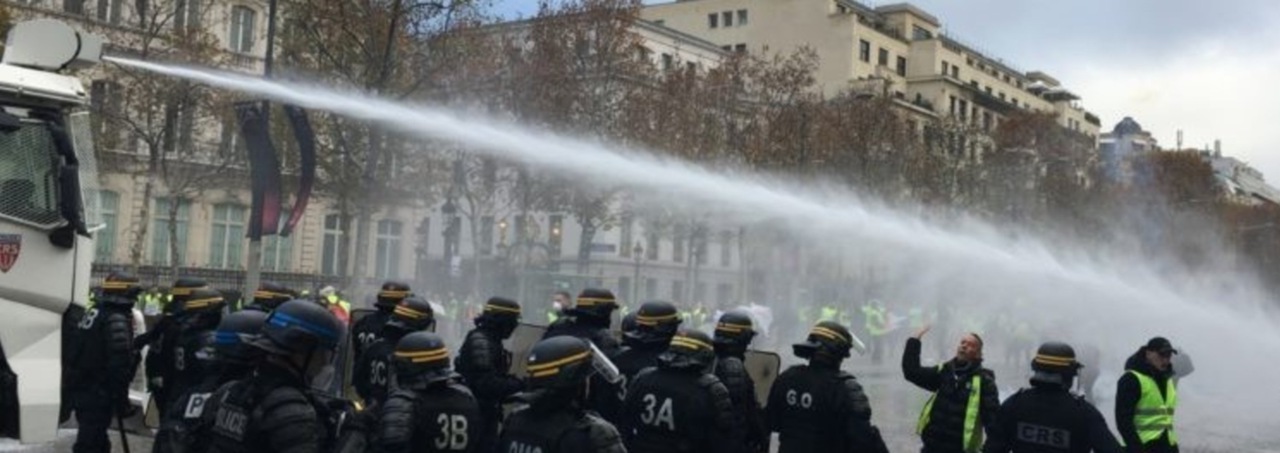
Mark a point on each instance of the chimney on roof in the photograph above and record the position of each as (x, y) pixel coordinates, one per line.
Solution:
(1179, 139)
(1217, 148)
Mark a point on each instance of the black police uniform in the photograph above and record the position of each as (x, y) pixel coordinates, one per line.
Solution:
(731, 371)
(430, 412)
(162, 340)
(368, 329)
(484, 363)
(372, 375)
(190, 364)
(272, 411)
(817, 407)
(555, 420)
(820, 409)
(587, 327)
(1047, 420)
(678, 406)
(103, 369)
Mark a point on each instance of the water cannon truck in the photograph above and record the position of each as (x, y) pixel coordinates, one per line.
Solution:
(47, 173)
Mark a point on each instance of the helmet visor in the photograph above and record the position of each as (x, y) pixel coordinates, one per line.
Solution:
(603, 366)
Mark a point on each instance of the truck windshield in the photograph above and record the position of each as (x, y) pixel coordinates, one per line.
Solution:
(29, 173)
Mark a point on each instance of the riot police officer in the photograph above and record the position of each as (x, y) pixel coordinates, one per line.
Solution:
(231, 358)
(269, 296)
(271, 411)
(734, 332)
(589, 319)
(655, 323)
(368, 330)
(430, 411)
(104, 362)
(484, 364)
(555, 420)
(201, 313)
(373, 373)
(679, 406)
(161, 341)
(817, 407)
(1048, 417)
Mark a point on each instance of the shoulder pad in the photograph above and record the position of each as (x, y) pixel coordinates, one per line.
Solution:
(708, 380)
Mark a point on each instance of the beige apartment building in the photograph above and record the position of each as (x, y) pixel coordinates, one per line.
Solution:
(894, 50)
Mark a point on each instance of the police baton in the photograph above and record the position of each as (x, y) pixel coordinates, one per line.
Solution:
(124, 441)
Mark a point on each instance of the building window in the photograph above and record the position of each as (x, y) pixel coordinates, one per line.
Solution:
(227, 236)
(712, 20)
(726, 252)
(727, 48)
(555, 235)
(700, 249)
(241, 37)
(624, 287)
(186, 13)
(387, 255)
(628, 231)
(883, 59)
(331, 254)
(651, 288)
(742, 17)
(660, 23)
(945, 68)
(109, 10)
(918, 33)
(277, 250)
(73, 6)
(163, 241)
(724, 292)
(677, 247)
(667, 61)
(955, 71)
(727, 18)
(105, 239)
(486, 235)
(651, 249)
(740, 48)
(902, 66)
(677, 290)
(864, 51)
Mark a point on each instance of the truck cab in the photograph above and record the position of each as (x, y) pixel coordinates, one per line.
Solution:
(47, 172)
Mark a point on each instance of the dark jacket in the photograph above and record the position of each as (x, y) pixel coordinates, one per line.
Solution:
(951, 384)
(558, 426)
(269, 412)
(484, 365)
(104, 366)
(367, 331)
(817, 409)
(670, 410)
(443, 417)
(1050, 419)
(586, 327)
(731, 370)
(1128, 392)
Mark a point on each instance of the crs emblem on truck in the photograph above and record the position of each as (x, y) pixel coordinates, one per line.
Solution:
(10, 246)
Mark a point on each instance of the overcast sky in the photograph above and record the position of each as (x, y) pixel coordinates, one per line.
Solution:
(1211, 69)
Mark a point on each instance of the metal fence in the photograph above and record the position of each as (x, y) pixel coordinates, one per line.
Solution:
(222, 279)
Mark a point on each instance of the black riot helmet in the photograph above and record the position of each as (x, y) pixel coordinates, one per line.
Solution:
(120, 289)
(181, 291)
(595, 302)
(391, 294)
(1055, 364)
(689, 349)
(656, 323)
(559, 363)
(271, 294)
(413, 314)
(203, 301)
(234, 335)
(299, 326)
(828, 342)
(421, 359)
(734, 331)
(501, 315)
(628, 328)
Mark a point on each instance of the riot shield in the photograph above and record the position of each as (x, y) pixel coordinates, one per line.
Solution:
(520, 343)
(763, 367)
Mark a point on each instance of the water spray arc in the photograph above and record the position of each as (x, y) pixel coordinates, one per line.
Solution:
(1112, 294)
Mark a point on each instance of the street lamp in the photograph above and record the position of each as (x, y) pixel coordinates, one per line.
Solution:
(638, 253)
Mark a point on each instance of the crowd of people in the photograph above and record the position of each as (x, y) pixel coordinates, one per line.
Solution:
(261, 378)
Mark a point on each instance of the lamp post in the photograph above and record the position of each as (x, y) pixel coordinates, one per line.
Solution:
(637, 252)
(449, 210)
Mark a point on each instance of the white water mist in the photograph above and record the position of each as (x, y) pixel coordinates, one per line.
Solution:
(1081, 294)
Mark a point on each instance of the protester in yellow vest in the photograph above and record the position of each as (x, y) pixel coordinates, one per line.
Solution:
(965, 400)
(336, 304)
(1145, 399)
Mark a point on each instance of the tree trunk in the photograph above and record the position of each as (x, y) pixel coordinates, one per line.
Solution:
(142, 226)
(174, 204)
